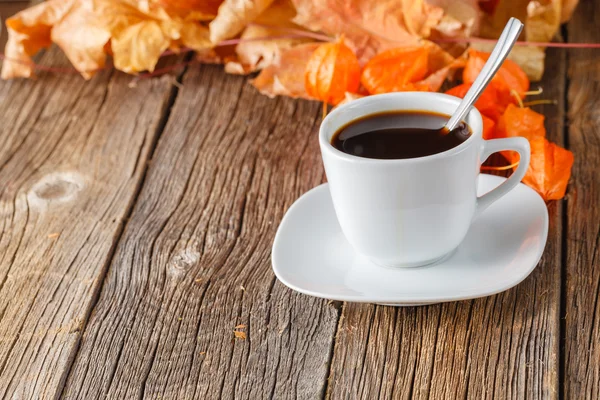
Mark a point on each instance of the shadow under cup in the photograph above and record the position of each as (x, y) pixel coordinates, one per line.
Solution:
(405, 212)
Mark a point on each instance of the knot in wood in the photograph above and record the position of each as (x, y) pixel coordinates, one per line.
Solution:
(183, 260)
(57, 187)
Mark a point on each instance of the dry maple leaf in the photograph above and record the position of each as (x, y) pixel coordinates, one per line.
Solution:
(370, 27)
(274, 22)
(202, 10)
(233, 16)
(68, 23)
(138, 34)
(542, 20)
(461, 17)
(331, 71)
(284, 77)
(529, 58)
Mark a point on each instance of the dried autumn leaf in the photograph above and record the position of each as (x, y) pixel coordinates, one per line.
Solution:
(138, 47)
(543, 20)
(522, 122)
(82, 39)
(395, 70)
(240, 326)
(331, 71)
(370, 27)
(68, 23)
(529, 58)
(200, 10)
(233, 16)
(194, 36)
(549, 168)
(461, 17)
(284, 76)
(493, 23)
(509, 77)
(440, 65)
(239, 335)
(139, 35)
(253, 54)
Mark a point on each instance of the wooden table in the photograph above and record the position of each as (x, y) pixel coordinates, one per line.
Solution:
(136, 226)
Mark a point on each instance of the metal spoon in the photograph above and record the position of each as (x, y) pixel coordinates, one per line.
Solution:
(505, 43)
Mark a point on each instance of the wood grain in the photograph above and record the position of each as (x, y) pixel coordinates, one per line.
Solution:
(194, 261)
(504, 346)
(582, 312)
(71, 161)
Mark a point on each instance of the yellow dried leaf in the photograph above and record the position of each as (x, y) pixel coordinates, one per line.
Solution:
(370, 27)
(240, 326)
(138, 47)
(239, 335)
(198, 10)
(195, 36)
(82, 38)
(254, 54)
(493, 24)
(461, 17)
(139, 35)
(284, 77)
(28, 32)
(529, 58)
(543, 20)
(233, 16)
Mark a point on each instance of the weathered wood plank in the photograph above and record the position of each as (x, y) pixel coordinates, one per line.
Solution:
(504, 346)
(71, 161)
(194, 261)
(582, 310)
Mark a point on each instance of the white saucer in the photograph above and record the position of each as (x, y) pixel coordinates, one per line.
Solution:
(503, 246)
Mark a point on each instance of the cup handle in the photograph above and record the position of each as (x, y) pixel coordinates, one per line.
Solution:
(518, 144)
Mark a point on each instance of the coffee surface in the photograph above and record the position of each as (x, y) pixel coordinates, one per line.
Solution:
(399, 135)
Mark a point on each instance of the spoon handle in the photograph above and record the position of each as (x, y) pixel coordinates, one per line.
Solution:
(505, 43)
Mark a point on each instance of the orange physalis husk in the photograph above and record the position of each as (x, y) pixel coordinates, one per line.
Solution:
(523, 122)
(488, 127)
(281, 77)
(549, 169)
(331, 71)
(489, 103)
(396, 70)
(509, 77)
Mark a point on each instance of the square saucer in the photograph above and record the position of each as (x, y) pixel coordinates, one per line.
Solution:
(311, 255)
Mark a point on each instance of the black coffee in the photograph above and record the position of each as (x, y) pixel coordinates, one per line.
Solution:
(396, 135)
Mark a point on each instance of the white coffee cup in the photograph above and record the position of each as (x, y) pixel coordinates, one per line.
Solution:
(411, 212)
